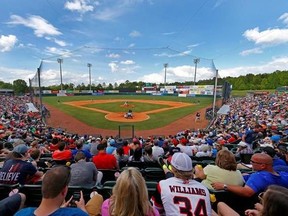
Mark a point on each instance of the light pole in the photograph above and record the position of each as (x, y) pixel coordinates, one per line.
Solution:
(89, 66)
(60, 61)
(215, 93)
(165, 67)
(196, 61)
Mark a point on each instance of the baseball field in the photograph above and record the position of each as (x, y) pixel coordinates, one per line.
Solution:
(103, 114)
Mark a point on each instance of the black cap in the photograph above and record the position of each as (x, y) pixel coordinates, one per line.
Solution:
(269, 150)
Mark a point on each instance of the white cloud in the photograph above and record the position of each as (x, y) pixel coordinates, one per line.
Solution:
(117, 9)
(40, 26)
(11, 74)
(275, 64)
(153, 77)
(251, 51)
(124, 67)
(192, 46)
(80, 6)
(267, 37)
(58, 52)
(113, 66)
(113, 55)
(134, 34)
(164, 54)
(60, 42)
(7, 42)
(180, 73)
(284, 18)
(168, 33)
(131, 45)
(108, 14)
(127, 62)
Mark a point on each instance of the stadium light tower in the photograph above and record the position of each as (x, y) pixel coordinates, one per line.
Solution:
(196, 61)
(165, 67)
(60, 61)
(89, 66)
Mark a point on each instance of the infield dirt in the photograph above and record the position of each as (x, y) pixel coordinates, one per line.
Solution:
(73, 125)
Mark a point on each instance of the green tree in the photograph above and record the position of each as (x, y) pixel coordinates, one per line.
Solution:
(4, 85)
(20, 86)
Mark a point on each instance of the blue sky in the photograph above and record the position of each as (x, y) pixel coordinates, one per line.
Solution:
(132, 39)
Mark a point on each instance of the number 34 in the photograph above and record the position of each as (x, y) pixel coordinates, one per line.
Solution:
(200, 209)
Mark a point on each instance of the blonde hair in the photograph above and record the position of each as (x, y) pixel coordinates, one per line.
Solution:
(130, 195)
(184, 175)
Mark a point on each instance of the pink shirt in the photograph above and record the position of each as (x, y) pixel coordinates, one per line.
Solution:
(105, 209)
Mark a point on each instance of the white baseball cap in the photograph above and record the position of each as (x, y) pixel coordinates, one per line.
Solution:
(182, 162)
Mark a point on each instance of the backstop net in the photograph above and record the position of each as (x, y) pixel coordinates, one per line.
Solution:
(126, 131)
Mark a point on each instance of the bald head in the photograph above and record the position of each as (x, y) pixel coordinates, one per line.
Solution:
(261, 161)
(262, 158)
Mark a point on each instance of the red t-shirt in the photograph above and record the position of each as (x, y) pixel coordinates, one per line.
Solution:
(53, 147)
(62, 155)
(104, 161)
(126, 150)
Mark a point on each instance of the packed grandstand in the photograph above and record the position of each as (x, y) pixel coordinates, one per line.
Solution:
(254, 131)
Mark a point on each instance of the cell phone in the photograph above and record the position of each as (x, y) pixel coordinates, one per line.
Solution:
(76, 197)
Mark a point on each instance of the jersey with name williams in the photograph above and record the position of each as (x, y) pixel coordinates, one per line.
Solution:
(182, 198)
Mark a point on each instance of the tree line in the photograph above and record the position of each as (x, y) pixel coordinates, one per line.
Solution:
(247, 82)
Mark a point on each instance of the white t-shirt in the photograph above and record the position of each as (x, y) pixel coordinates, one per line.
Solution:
(186, 149)
(157, 151)
(179, 198)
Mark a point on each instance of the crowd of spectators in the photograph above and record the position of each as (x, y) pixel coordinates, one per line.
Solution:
(255, 126)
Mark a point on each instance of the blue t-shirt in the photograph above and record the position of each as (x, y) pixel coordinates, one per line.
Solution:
(260, 180)
(16, 171)
(110, 149)
(250, 136)
(278, 162)
(59, 212)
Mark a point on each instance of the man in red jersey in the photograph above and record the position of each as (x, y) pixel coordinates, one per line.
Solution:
(103, 160)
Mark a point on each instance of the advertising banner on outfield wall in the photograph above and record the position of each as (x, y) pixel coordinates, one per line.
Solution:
(46, 91)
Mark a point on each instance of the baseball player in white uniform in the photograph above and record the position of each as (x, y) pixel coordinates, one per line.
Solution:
(181, 195)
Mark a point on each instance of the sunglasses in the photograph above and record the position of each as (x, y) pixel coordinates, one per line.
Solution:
(255, 162)
(261, 196)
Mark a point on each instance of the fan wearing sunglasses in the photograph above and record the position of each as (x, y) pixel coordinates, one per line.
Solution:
(258, 181)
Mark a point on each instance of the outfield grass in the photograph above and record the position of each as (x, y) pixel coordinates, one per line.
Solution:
(116, 106)
(96, 119)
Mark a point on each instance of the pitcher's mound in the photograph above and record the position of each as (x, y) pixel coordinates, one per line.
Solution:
(119, 117)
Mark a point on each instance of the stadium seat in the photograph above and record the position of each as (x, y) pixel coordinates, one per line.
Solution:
(46, 155)
(138, 164)
(194, 158)
(108, 175)
(238, 203)
(151, 187)
(33, 194)
(153, 174)
(245, 158)
(151, 164)
(230, 146)
(106, 189)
